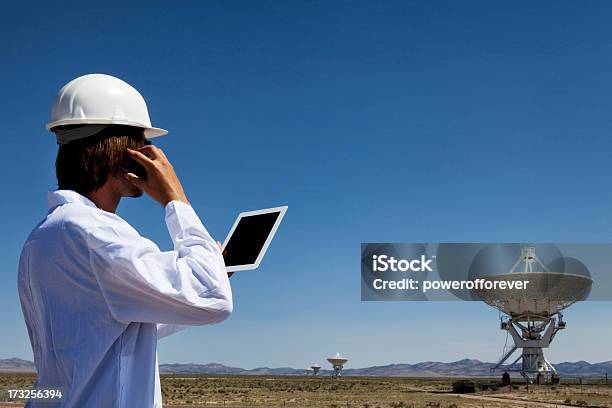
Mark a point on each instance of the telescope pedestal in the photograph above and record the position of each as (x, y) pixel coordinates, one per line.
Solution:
(337, 371)
(532, 334)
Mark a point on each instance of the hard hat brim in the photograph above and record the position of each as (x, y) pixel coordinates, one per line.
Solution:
(149, 131)
(152, 132)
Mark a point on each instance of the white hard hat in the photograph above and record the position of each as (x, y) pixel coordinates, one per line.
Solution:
(98, 99)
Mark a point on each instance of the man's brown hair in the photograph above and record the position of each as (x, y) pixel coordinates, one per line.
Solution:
(84, 165)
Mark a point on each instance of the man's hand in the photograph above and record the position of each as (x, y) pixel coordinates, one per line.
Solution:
(220, 245)
(161, 183)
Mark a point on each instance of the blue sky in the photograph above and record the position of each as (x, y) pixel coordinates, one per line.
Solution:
(375, 122)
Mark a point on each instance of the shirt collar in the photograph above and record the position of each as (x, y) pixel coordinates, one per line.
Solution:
(60, 197)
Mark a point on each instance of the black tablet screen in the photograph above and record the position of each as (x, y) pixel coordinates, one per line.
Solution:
(248, 239)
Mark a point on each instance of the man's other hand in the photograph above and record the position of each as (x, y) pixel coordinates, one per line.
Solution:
(220, 245)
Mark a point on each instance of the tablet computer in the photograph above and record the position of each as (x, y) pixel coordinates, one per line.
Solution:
(249, 238)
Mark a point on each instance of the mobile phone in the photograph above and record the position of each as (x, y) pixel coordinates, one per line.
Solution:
(132, 166)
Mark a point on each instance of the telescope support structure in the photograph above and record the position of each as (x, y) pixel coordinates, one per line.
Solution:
(531, 334)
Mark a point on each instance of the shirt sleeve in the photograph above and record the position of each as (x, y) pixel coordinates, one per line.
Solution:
(186, 286)
(165, 330)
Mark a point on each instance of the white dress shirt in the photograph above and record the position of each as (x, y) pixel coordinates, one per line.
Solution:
(96, 297)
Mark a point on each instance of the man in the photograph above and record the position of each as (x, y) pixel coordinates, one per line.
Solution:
(96, 296)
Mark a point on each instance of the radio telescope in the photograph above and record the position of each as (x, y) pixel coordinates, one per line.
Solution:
(337, 363)
(533, 316)
(315, 369)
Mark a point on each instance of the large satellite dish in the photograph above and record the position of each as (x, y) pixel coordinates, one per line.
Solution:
(534, 313)
(547, 293)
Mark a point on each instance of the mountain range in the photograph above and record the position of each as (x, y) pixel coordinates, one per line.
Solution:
(461, 368)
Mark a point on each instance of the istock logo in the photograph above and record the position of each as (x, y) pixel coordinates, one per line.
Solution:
(383, 263)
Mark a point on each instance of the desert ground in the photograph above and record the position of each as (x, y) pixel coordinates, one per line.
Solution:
(366, 392)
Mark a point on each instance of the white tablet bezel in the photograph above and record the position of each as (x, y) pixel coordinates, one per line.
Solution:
(280, 210)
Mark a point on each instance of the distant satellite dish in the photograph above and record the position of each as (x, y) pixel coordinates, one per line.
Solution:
(337, 363)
